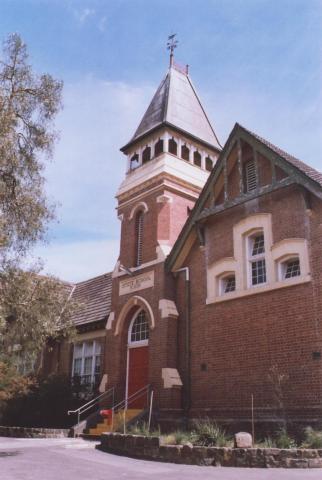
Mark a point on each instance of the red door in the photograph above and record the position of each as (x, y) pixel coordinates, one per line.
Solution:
(138, 374)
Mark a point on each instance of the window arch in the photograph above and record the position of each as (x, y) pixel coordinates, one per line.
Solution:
(139, 329)
(208, 164)
(146, 154)
(158, 148)
(134, 162)
(173, 147)
(139, 219)
(185, 153)
(197, 158)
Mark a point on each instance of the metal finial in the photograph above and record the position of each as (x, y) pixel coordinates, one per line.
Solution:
(171, 45)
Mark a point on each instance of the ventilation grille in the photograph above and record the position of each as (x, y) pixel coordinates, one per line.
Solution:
(251, 180)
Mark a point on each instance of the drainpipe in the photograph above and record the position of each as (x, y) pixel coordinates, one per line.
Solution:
(187, 392)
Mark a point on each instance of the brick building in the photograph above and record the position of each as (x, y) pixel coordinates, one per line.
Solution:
(216, 295)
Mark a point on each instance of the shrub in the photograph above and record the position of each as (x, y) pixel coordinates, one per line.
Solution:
(179, 437)
(208, 433)
(313, 438)
(142, 428)
(284, 440)
(45, 404)
(268, 442)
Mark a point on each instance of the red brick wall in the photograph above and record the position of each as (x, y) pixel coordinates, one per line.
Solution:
(241, 339)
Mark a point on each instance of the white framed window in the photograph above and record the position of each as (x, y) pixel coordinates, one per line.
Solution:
(289, 268)
(139, 329)
(256, 259)
(87, 362)
(227, 283)
(250, 176)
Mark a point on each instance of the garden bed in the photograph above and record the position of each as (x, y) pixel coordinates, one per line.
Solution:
(153, 448)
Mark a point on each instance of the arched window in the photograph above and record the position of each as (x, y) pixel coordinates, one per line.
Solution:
(185, 152)
(139, 329)
(134, 163)
(158, 148)
(139, 238)
(146, 154)
(173, 148)
(208, 164)
(197, 159)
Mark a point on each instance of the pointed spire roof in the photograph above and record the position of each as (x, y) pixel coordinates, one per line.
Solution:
(176, 104)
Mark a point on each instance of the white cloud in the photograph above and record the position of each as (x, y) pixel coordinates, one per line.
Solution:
(98, 118)
(84, 14)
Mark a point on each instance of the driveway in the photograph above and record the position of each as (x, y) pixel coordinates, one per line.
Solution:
(76, 459)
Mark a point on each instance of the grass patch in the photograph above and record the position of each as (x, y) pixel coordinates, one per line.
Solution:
(313, 438)
(207, 433)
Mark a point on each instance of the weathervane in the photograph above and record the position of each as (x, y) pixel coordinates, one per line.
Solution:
(171, 45)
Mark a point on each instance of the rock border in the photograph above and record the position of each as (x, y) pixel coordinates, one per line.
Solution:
(25, 432)
(151, 448)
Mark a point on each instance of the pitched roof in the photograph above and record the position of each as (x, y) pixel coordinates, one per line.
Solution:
(94, 297)
(295, 162)
(177, 104)
(302, 168)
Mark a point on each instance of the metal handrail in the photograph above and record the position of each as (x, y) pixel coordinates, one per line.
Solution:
(139, 393)
(125, 403)
(91, 403)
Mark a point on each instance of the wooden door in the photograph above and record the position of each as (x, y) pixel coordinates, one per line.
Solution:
(138, 374)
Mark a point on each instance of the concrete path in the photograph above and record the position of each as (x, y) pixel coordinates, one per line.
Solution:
(75, 459)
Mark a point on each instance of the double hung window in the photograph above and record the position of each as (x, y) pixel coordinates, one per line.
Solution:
(87, 363)
(256, 259)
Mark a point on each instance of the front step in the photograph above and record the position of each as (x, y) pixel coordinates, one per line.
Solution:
(105, 426)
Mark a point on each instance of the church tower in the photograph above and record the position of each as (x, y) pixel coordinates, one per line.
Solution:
(169, 159)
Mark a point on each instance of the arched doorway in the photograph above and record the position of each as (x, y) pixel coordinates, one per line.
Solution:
(137, 375)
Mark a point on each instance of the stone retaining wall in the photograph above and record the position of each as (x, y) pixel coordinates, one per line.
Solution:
(150, 448)
(23, 432)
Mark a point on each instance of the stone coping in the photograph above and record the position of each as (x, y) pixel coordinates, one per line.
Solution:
(25, 432)
(151, 448)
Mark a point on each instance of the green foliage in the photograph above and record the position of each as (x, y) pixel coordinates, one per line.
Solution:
(32, 307)
(45, 404)
(284, 440)
(142, 428)
(313, 438)
(208, 433)
(11, 383)
(28, 105)
(268, 442)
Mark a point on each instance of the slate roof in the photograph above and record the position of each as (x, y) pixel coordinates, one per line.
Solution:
(303, 167)
(94, 296)
(177, 104)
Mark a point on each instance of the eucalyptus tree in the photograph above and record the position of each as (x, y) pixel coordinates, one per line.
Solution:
(32, 307)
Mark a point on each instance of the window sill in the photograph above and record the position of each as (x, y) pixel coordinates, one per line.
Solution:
(259, 289)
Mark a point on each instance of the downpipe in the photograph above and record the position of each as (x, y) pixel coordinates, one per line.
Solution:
(187, 389)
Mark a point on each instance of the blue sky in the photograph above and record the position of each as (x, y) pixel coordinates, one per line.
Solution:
(257, 62)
